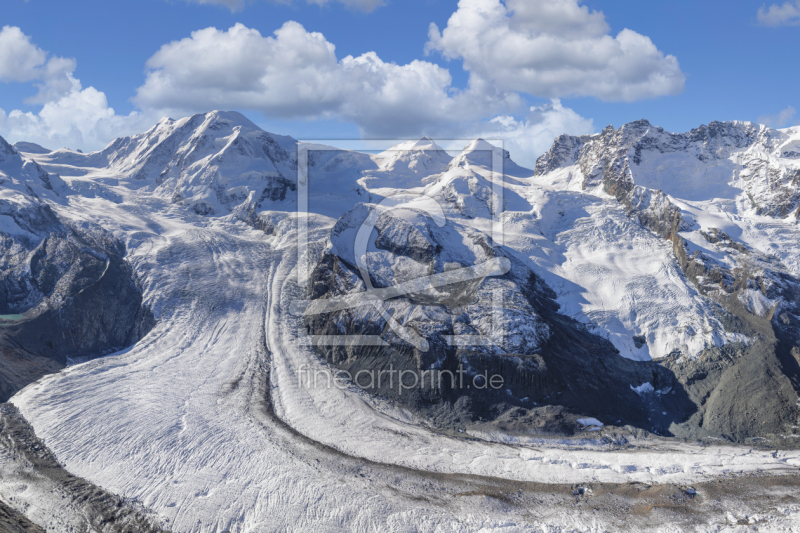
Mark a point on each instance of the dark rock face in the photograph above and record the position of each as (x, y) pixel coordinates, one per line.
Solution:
(247, 211)
(552, 369)
(745, 391)
(77, 294)
(741, 392)
(565, 151)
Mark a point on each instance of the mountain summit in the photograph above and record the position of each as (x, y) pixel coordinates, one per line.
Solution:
(420, 158)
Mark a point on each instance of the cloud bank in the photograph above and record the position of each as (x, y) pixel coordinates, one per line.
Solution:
(70, 115)
(512, 51)
(295, 74)
(22, 61)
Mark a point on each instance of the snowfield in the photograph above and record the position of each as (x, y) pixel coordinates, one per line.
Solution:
(207, 422)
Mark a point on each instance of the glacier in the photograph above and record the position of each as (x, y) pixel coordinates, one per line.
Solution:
(205, 420)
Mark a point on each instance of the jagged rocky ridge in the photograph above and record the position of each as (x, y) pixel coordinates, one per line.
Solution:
(740, 390)
(612, 160)
(763, 161)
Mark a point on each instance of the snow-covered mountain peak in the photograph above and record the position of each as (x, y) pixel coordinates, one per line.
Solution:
(424, 144)
(211, 162)
(195, 137)
(482, 154)
(215, 120)
(479, 153)
(230, 118)
(31, 148)
(479, 145)
(423, 157)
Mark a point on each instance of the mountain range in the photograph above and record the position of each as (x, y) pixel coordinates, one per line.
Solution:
(651, 288)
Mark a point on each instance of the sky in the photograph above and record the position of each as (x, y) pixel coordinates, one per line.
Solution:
(79, 74)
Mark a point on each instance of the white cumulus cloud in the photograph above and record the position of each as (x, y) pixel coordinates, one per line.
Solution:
(291, 74)
(554, 48)
(296, 74)
(536, 48)
(529, 137)
(787, 14)
(22, 61)
(70, 115)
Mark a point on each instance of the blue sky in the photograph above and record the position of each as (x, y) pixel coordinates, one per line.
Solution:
(732, 60)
